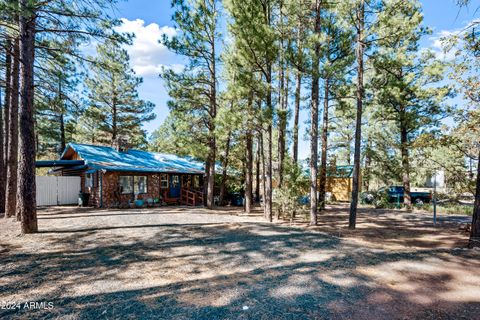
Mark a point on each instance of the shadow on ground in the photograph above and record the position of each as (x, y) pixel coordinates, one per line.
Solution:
(156, 268)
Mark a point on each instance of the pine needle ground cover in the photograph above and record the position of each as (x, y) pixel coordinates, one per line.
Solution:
(185, 263)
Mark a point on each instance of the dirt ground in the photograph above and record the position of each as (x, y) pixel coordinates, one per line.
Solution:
(184, 263)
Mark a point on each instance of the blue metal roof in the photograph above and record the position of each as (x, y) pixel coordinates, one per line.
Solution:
(109, 159)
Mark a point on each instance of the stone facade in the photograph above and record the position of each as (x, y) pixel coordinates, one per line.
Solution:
(106, 188)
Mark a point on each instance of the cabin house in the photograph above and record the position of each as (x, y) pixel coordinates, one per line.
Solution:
(340, 182)
(116, 177)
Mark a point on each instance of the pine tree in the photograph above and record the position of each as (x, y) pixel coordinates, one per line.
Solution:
(113, 96)
(252, 27)
(408, 83)
(465, 66)
(314, 112)
(194, 90)
(58, 102)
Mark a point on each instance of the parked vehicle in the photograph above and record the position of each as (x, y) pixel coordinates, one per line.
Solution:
(235, 199)
(396, 193)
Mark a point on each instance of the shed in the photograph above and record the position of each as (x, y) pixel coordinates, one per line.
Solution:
(339, 182)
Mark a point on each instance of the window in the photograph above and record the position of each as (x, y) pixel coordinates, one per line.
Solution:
(196, 181)
(140, 184)
(175, 181)
(89, 180)
(126, 184)
(164, 181)
(186, 181)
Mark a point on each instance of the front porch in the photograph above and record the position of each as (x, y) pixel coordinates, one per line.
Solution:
(127, 189)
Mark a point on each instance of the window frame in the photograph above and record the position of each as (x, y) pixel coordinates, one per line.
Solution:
(89, 180)
(135, 184)
(130, 178)
(164, 178)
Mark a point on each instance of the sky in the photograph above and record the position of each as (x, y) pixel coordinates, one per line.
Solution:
(151, 19)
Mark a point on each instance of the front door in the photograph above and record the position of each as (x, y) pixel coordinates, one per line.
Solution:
(174, 186)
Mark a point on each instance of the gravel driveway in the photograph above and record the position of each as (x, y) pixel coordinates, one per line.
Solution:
(184, 263)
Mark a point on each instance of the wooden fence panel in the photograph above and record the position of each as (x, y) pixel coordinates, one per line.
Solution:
(53, 190)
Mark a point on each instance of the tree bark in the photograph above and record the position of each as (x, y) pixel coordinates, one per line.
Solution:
(224, 171)
(4, 129)
(12, 154)
(262, 151)
(2, 160)
(323, 168)
(212, 114)
(257, 173)
(205, 181)
(211, 173)
(407, 199)
(366, 172)
(61, 109)
(26, 170)
(249, 172)
(296, 117)
(298, 88)
(358, 123)
(268, 173)
(314, 121)
(282, 117)
(475, 229)
(114, 112)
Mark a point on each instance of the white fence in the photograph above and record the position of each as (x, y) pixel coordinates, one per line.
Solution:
(53, 190)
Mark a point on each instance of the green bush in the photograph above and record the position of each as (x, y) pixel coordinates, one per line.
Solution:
(295, 185)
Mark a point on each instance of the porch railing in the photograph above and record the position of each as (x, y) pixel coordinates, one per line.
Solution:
(191, 197)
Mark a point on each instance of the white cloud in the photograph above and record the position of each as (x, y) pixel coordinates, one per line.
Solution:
(147, 55)
(438, 47)
(437, 41)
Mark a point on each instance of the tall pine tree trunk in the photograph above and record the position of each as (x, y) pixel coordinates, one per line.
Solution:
(368, 162)
(2, 160)
(269, 160)
(211, 173)
(323, 168)
(114, 112)
(282, 118)
(61, 119)
(4, 129)
(223, 185)
(296, 117)
(257, 172)
(262, 151)
(12, 154)
(249, 172)
(475, 230)
(249, 157)
(205, 181)
(298, 88)
(8, 90)
(358, 122)
(314, 121)
(212, 113)
(407, 199)
(27, 208)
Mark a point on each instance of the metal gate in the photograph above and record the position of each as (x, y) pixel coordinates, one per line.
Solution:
(53, 190)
